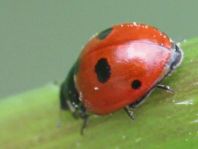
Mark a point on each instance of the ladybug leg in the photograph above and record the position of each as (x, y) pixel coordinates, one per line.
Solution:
(129, 111)
(85, 118)
(79, 111)
(165, 87)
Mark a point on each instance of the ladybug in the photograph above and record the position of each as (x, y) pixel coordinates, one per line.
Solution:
(117, 69)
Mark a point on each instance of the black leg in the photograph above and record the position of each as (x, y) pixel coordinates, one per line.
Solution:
(85, 122)
(129, 111)
(165, 87)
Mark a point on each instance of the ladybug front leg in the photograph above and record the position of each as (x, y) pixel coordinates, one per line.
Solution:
(165, 87)
(80, 111)
(85, 118)
(129, 111)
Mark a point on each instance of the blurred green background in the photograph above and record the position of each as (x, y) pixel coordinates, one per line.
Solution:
(40, 39)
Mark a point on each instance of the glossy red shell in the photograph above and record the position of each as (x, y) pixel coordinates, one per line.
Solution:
(134, 52)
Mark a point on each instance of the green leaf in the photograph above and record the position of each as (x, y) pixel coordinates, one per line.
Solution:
(33, 119)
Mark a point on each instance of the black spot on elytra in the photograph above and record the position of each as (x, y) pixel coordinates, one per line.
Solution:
(102, 35)
(103, 70)
(136, 84)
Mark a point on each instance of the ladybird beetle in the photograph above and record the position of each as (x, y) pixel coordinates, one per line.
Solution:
(117, 69)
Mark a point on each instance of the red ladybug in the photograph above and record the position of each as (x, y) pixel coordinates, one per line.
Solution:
(117, 69)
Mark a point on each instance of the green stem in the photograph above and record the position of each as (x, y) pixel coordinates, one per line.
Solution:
(33, 119)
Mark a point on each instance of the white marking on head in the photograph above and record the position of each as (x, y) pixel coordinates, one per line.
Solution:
(80, 96)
